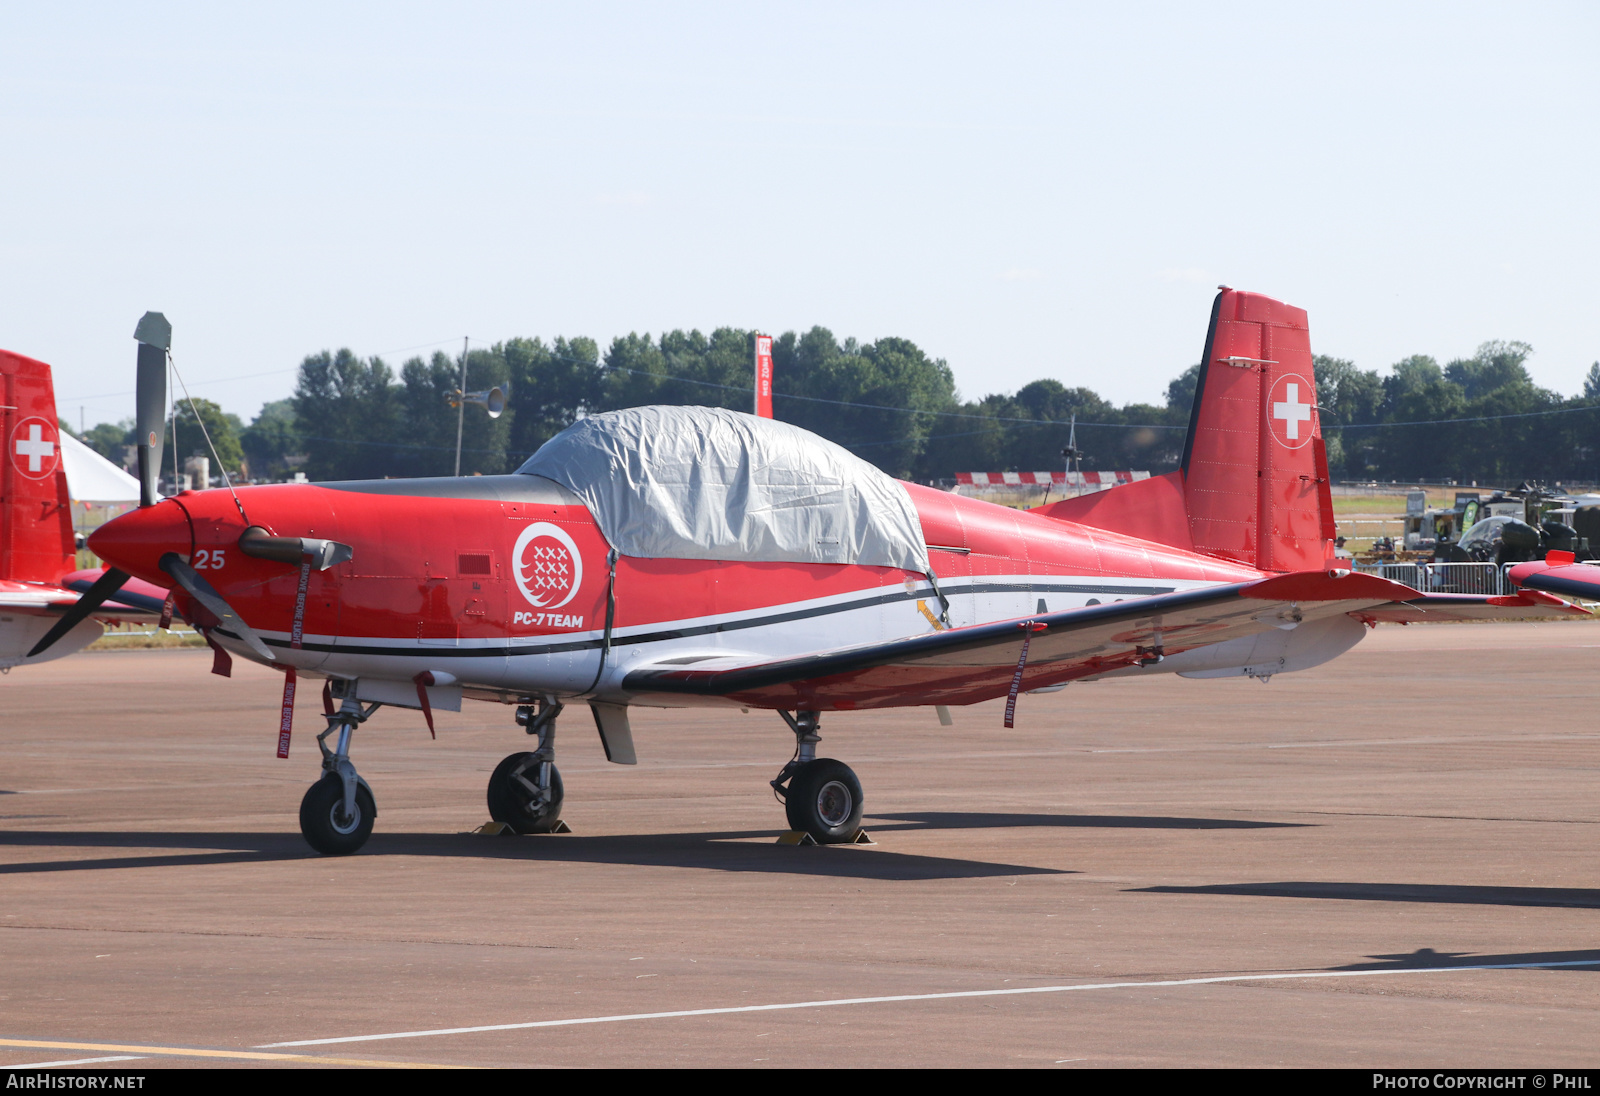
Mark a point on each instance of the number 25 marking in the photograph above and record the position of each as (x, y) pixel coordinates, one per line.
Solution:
(209, 559)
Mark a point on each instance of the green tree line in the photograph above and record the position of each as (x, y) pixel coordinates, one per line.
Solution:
(888, 401)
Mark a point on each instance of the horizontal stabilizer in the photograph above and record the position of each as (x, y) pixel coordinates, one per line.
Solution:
(1526, 605)
(1151, 509)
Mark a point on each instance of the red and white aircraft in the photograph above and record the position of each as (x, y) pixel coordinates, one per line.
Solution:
(39, 576)
(689, 556)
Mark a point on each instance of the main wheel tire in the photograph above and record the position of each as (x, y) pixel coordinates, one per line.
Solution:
(824, 800)
(324, 823)
(513, 804)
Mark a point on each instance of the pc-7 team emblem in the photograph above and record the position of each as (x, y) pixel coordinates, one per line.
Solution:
(547, 565)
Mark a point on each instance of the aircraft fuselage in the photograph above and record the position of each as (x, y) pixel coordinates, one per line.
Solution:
(504, 583)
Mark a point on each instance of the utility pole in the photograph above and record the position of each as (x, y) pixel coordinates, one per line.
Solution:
(1072, 454)
(461, 405)
(493, 401)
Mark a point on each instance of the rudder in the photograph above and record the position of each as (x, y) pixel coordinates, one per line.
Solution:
(36, 540)
(1255, 470)
(1253, 486)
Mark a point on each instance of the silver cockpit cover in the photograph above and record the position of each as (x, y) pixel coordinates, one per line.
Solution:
(708, 483)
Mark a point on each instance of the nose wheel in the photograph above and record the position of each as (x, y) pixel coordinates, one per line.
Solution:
(337, 812)
(328, 827)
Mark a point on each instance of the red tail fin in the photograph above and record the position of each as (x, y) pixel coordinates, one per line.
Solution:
(1254, 467)
(1254, 482)
(36, 542)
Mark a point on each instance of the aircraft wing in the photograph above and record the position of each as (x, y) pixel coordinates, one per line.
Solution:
(136, 597)
(1580, 580)
(41, 599)
(966, 665)
(34, 597)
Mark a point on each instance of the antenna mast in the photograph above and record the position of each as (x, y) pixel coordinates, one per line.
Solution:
(1073, 455)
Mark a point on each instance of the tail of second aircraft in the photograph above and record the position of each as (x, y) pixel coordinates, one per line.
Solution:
(36, 540)
(1253, 486)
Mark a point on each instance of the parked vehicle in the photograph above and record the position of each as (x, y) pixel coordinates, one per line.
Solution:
(1506, 527)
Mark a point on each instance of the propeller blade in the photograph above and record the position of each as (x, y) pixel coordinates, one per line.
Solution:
(206, 594)
(95, 596)
(150, 400)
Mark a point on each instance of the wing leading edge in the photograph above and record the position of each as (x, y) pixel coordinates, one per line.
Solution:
(967, 665)
(39, 599)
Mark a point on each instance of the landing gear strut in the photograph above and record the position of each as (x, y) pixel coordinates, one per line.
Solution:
(337, 812)
(821, 796)
(525, 791)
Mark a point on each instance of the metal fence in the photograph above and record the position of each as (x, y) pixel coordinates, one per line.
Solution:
(1446, 578)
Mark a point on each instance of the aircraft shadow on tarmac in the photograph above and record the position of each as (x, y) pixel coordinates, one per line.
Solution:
(733, 851)
(1457, 894)
(973, 820)
(1426, 957)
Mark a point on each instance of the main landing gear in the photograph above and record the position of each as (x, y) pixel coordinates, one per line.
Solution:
(337, 812)
(525, 791)
(821, 796)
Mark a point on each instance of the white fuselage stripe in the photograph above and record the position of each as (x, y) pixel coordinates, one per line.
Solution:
(1074, 590)
(570, 663)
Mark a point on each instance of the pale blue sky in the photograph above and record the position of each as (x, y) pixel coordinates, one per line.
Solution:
(1025, 190)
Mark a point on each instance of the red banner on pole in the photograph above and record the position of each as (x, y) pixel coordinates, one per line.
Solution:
(286, 719)
(764, 376)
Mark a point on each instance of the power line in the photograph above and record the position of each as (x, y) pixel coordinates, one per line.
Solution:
(907, 441)
(703, 384)
(1012, 420)
(248, 376)
(397, 445)
(197, 384)
(420, 346)
(1444, 422)
(875, 406)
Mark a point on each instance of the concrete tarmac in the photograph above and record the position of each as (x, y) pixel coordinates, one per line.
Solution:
(1293, 874)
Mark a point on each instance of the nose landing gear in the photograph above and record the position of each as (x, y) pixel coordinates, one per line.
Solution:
(821, 796)
(525, 790)
(337, 812)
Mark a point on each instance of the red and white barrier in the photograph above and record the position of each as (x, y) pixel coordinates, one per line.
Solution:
(1091, 480)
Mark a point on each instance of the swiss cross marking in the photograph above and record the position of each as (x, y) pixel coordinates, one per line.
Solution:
(33, 453)
(35, 448)
(1287, 407)
(1292, 411)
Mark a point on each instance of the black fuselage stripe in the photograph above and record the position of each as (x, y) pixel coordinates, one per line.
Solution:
(911, 649)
